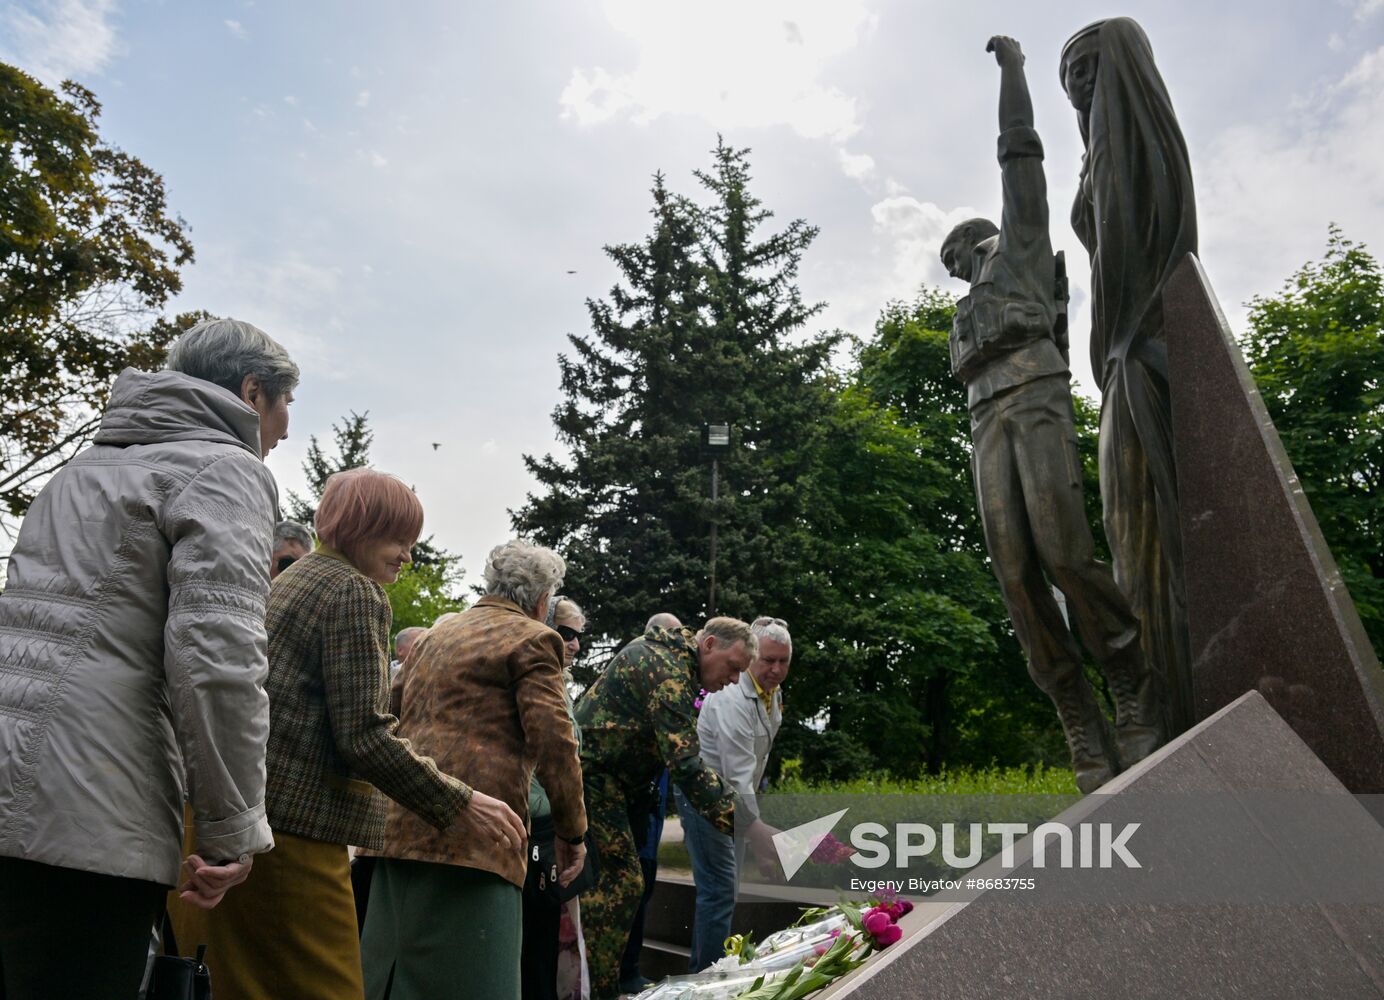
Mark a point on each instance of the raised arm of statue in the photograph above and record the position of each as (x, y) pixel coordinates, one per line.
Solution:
(1016, 107)
(1024, 217)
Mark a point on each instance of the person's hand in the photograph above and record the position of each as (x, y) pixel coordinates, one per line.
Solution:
(496, 823)
(204, 885)
(761, 836)
(571, 859)
(1007, 51)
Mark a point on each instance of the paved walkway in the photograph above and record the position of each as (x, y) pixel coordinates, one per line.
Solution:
(672, 831)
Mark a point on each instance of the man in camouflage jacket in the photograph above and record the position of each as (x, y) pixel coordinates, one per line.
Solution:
(639, 717)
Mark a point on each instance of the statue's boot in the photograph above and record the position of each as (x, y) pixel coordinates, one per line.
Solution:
(1087, 732)
(1140, 718)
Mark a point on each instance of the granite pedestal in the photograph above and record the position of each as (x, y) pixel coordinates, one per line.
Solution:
(1307, 919)
(1266, 607)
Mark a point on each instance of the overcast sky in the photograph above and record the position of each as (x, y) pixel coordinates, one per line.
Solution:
(397, 192)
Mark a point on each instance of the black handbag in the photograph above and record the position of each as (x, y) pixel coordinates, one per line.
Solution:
(177, 978)
(542, 873)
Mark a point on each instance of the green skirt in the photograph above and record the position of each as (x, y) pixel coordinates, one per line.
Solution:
(434, 931)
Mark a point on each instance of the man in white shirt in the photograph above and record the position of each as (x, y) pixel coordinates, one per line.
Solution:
(736, 727)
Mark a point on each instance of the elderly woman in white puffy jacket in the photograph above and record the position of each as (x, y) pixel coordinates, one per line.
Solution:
(132, 659)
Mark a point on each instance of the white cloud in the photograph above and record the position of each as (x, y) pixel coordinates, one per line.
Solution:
(363, 99)
(377, 160)
(291, 101)
(56, 40)
(236, 29)
(1267, 189)
(900, 256)
(856, 166)
(299, 302)
(1365, 9)
(767, 71)
(913, 231)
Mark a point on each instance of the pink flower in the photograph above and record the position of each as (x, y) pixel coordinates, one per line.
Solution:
(697, 701)
(883, 931)
(830, 851)
(819, 950)
(897, 909)
(566, 930)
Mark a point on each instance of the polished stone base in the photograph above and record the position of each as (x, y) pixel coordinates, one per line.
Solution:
(1226, 903)
(1266, 608)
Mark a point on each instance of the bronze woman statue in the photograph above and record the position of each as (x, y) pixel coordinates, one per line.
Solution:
(1135, 214)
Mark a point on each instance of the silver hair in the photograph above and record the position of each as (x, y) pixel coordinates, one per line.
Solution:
(408, 636)
(664, 619)
(523, 573)
(567, 609)
(224, 351)
(730, 631)
(292, 531)
(773, 629)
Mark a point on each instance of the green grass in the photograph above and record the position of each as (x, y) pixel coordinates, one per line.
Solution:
(673, 857)
(986, 781)
(1037, 780)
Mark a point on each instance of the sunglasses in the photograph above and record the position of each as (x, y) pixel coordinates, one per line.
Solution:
(567, 632)
(771, 621)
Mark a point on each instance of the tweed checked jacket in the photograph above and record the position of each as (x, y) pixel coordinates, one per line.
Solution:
(332, 743)
(483, 695)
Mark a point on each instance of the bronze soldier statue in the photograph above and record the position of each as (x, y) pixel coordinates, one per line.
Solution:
(1009, 347)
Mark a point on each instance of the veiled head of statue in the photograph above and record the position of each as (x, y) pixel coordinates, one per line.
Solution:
(958, 249)
(1080, 57)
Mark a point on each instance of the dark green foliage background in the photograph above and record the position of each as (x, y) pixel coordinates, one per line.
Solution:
(89, 253)
(846, 504)
(1317, 352)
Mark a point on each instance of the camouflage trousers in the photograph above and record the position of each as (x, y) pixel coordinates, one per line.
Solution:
(607, 912)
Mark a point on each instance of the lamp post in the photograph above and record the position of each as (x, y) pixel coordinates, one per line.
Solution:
(715, 443)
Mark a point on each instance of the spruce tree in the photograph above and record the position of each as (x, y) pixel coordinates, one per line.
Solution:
(697, 330)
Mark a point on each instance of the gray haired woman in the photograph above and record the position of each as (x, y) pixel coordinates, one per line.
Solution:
(483, 696)
(132, 666)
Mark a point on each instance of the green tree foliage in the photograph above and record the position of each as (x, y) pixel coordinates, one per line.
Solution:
(1317, 353)
(88, 255)
(427, 587)
(918, 662)
(426, 590)
(705, 325)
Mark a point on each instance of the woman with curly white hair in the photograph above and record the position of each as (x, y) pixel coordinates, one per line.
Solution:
(484, 697)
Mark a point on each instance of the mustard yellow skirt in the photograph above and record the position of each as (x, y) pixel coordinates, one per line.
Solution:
(288, 931)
